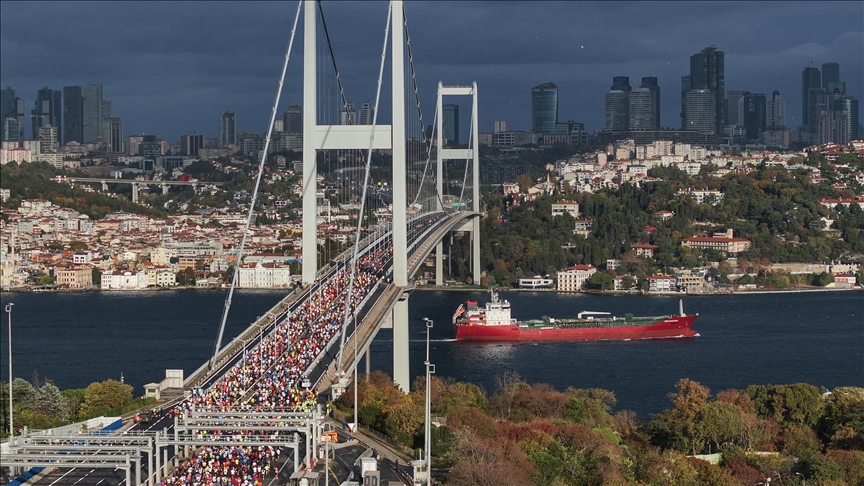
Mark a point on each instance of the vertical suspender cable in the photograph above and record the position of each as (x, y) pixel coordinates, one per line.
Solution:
(363, 199)
(234, 277)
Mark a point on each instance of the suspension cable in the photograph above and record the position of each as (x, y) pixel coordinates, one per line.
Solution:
(467, 164)
(427, 141)
(346, 317)
(333, 58)
(236, 273)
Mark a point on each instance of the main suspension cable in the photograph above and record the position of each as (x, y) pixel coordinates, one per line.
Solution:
(234, 276)
(363, 199)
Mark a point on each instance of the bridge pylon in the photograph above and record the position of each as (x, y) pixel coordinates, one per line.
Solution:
(472, 153)
(349, 137)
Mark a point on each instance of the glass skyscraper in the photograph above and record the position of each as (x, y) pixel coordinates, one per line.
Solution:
(544, 108)
(707, 71)
(11, 116)
(450, 123)
(809, 81)
(228, 129)
(47, 111)
(644, 105)
(91, 112)
(73, 115)
(830, 74)
(616, 103)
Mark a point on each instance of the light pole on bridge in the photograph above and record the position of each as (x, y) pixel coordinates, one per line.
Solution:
(430, 369)
(11, 426)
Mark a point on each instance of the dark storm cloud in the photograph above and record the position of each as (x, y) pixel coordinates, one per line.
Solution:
(174, 67)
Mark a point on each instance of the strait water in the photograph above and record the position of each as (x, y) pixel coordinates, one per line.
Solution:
(777, 338)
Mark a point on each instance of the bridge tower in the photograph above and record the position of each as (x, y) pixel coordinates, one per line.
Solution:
(389, 137)
(471, 153)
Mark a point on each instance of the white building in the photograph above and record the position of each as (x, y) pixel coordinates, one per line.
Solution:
(264, 275)
(535, 283)
(119, 280)
(161, 256)
(711, 196)
(562, 207)
(160, 277)
(662, 283)
(574, 278)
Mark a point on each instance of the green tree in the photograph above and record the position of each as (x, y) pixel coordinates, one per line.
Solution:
(78, 245)
(403, 421)
(106, 394)
(843, 419)
(798, 404)
(459, 395)
(48, 401)
(719, 422)
(601, 280)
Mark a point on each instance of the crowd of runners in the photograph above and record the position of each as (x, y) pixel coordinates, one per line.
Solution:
(270, 375)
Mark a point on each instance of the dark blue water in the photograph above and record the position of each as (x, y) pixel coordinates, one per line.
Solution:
(76, 339)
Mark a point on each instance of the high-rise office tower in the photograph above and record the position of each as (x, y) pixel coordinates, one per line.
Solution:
(846, 106)
(73, 115)
(644, 105)
(732, 115)
(752, 108)
(190, 144)
(616, 103)
(544, 108)
(685, 87)
(776, 111)
(48, 140)
(809, 80)
(818, 101)
(293, 119)
(112, 133)
(7, 102)
(228, 129)
(830, 74)
(700, 109)
(450, 123)
(48, 110)
(500, 126)
(707, 71)
(11, 116)
(91, 112)
(366, 114)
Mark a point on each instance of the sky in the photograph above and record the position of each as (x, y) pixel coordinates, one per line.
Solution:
(171, 68)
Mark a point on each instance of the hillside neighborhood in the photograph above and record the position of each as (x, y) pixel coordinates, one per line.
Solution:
(48, 244)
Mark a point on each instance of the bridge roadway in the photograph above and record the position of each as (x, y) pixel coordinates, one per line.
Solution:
(109, 180)
(372, 314)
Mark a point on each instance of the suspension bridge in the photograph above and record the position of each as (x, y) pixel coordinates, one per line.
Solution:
(261, 385)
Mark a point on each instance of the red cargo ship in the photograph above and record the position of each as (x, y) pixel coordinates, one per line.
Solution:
(493, 323)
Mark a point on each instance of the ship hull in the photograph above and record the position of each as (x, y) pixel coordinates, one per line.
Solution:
(670, 327)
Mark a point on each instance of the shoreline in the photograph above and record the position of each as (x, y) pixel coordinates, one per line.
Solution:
(427, 288)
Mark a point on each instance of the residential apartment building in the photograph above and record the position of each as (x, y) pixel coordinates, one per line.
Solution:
(573, 279)
(662, 283)
(562, 207)
(74, 277)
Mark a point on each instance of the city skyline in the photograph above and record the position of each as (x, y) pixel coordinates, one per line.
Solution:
(172, 77)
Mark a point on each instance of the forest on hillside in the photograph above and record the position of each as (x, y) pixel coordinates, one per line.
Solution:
(777, 210)
(533, 434)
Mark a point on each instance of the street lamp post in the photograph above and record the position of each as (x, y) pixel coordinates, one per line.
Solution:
(430, 369)
(11, 427)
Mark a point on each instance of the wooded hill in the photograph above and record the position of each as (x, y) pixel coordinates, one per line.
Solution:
(777, 210)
